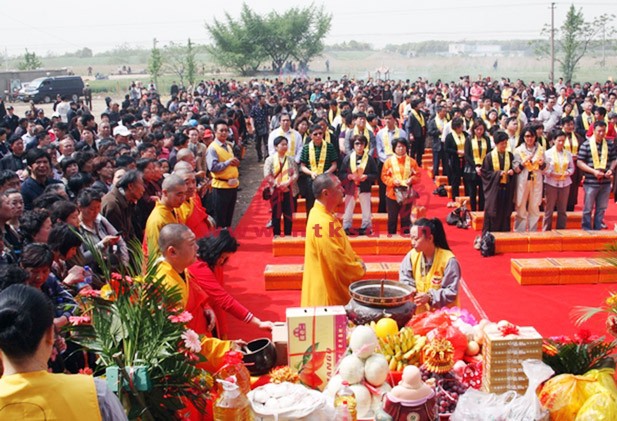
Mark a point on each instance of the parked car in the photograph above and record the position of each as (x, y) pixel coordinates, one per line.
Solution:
(45, 89)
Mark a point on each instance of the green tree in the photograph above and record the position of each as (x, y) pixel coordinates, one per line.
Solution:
(30, 62)
(191, 64)
(155, 63)
(573, 39)
(245, 43)
(234, 45)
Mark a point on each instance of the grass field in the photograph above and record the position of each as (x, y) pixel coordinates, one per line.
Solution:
(354, 64)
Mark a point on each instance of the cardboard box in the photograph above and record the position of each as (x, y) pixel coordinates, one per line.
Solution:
(280, 341)
(317, 340)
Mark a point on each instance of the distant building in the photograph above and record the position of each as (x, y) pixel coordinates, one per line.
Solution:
(474, 50)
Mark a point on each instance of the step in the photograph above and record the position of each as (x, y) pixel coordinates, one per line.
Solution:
(379, 220)
(441, 180)
(357, 209)
(461, 191)
(289, 276)
(556, 240)
(429, 170)
(363, 245)
(574, 220)
(563, 271)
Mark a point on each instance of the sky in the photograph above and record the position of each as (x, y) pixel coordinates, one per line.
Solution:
(70, 25)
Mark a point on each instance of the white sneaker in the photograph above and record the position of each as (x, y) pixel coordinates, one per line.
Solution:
(477, 242)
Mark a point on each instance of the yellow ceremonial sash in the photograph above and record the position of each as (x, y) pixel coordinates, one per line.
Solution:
(387, 144)
(418, 117)
(291, 150)
(440, 124)
(405, 173)
(283, 175)
(326, 136)
(497, 166)
(571, 144)
(598, 163)
(459, 140)
(317, 167)
(353, 163)
(366, 133)
(560, 165)
(532, 165)
(479, 152)
(332, 116)
(588, 119)
(431, 279)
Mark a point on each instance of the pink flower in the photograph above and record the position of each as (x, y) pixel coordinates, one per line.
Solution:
(88, 371)
(191, 340)
(116, 276)
(89, 292)
(183, 317)
(79, 320)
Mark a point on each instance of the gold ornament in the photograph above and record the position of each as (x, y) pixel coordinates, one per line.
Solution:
(439, 356)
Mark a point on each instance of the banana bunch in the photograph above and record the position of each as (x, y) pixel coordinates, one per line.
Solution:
(402, 349)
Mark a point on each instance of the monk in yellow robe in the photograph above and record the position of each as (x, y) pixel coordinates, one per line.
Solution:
(166, 211)
(179, 250)
(330, 264)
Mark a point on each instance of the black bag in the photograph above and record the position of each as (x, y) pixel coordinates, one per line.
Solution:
(441, 191)
(266, 194)
(487, 245)
(454, 217)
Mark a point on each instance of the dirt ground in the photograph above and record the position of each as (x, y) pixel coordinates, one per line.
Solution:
(251, 171)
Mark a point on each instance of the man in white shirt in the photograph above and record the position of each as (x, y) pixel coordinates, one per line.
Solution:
(294, 139)
(550, 115)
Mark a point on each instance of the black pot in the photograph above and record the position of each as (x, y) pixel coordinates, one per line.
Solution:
(259, 356)
(361, 314)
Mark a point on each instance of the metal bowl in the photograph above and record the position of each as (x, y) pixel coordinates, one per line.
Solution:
(380, 293)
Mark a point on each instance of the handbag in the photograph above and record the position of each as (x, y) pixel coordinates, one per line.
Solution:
(404, 195)
(267, 192)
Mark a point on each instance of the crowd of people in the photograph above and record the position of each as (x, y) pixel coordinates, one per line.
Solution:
(164, 172)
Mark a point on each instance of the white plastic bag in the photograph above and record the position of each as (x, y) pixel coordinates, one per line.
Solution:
(289, 401)
(474, 405)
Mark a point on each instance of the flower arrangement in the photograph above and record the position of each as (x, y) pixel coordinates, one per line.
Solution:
(579, 354)
(139, 334)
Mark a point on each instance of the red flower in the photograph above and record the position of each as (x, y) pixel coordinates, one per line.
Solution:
(88, 371)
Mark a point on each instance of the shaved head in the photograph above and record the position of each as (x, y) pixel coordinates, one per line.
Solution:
(171, 235)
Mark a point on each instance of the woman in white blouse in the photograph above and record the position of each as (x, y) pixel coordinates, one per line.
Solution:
(557, 181)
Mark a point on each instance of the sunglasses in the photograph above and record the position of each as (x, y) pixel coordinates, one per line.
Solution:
(317, 134)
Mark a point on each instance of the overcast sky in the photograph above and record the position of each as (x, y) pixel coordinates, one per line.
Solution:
(69, 25)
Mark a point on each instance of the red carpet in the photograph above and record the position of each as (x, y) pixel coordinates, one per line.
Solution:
(489, 289)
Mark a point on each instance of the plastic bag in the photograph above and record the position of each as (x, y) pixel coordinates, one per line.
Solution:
(564, 395)
(474, 405)
(425, 322)
(452, 334)
(599, 407)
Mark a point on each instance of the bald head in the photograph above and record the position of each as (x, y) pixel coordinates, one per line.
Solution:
(322, 182)
(172, 182)
(184, 154)
(172, 235)
(182, 166)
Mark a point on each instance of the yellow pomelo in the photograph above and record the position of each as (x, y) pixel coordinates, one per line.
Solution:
(385, 327)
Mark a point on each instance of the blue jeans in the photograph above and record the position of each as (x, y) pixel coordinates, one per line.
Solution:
(595, 195)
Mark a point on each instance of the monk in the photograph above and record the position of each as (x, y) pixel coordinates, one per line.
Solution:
(179, 250)
(330, 264)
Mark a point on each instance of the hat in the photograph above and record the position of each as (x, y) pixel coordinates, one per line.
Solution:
(137, 124)
(192, 123)
(10, 107)
(56, 115)
(122, 131)
(208, 133)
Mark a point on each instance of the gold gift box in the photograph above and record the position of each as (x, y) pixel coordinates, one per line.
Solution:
(534, 271)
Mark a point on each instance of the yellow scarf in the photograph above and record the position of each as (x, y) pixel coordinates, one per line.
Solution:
(588, 119)
(387, 144)
(497, 167)
(353, 163)
(332, 116)
(440, 124)
(459, 140)
(560, 165)
(571, 144)
(317, 167)
(326, 136)
(532, 165)
(418, 117)
(431, 278)
(283, 175)
(291, 150)
(598, 163)
(403, 175)
(366, 133)
(479, 151)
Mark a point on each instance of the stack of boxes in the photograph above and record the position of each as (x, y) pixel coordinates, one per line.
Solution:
(503, 357)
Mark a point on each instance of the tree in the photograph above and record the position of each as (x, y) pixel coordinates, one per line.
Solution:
(573, 39)
(234, 46)
(245, 43)
(155, 64)
(191, 64)
(31, 62)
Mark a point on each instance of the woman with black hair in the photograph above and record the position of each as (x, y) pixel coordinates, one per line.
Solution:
(454, 148)
(399, 173)
(477, 146)
(430, 268)
(207, 272)
(27, 389)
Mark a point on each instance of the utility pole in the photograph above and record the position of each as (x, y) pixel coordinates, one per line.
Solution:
(553, 42)
(603, 43)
